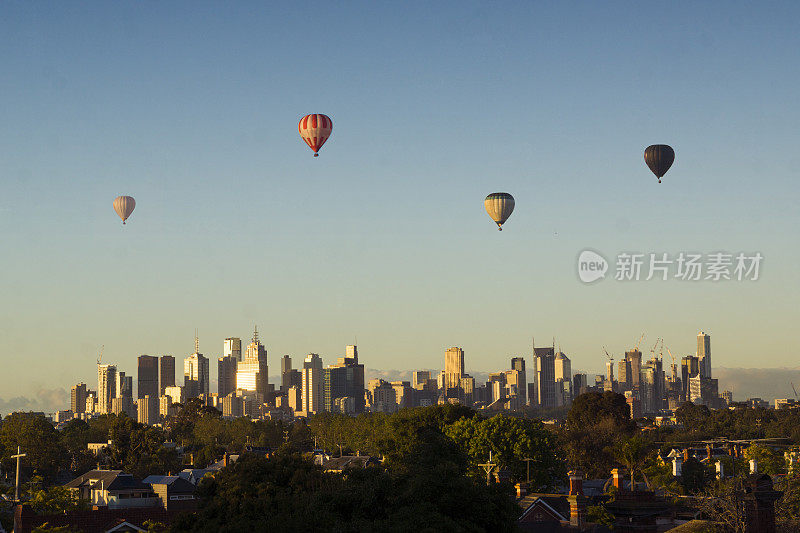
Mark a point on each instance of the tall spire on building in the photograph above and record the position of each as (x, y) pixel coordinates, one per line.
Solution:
(196, 342)
(255, 334)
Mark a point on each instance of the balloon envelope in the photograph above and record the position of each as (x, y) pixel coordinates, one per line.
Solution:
(499, 205)
(315, 130)
(659, 158)
(124, 205)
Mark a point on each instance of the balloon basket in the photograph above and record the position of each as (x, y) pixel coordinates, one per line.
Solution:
(316, 155)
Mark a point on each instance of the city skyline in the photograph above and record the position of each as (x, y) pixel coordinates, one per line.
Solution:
(384, 237)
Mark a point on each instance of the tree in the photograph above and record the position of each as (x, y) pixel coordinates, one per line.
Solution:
(596, 421)
(289, 493)
(511, 440)
(769, 461)
(37, 437)
(632, 453)
(55, 500)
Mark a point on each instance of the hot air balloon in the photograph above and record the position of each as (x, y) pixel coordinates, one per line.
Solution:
(315, 130)
(124, 205)
(659, 158)
(499, 205)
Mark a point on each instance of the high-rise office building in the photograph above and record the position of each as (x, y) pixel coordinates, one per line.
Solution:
(312, 384)
(124, 386)
(345, 379)
(226, 375)
(232, 347)
(147, 410)
(704, 353)
(562, 366)
(544, 362)
(420, 378)
(289, 376)
(252, 372)
(106, 387)
(453, 367)
(624, 379)
(166, 373)
(635, 358)
(147, 377)
(196, 374)
(78, 398)
(518, 364)
(690, 367)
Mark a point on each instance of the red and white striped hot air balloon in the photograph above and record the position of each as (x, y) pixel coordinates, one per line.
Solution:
(315, 130)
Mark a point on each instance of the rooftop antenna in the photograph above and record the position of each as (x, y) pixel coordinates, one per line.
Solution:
(255, 334)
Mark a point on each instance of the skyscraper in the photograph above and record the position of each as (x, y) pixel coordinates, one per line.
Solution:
(609, 384)
(147, 410)
(78, 398)
(624, 382)
(252, 372)
(232, 347)
(196, 375)
(124, 386)
(345, 379)
(518, 364)
(635, 358)
(453, 367)
(106, 387)
(544, 361)
(420, 378)
(226, 375)
(289, 376)
(704, 353)
(147, 377)
(312, 384)
(167, 373)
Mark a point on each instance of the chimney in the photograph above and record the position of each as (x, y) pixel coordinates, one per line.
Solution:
(753, 466)
(522, 490)
(759, 504)
(577, 501)
(709, 452)
(677, 466)
(686, 455)
(720, 470)
(616, 479)
(575, 483)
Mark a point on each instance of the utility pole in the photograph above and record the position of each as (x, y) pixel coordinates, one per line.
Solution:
(528, 461)
(19, 456)
(489, 468)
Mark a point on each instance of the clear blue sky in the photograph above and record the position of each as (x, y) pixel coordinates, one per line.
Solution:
(192, 108)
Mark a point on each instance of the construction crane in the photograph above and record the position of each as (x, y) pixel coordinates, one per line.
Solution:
(639, 342)
(100, 356)
(653, 349)
(795, 391)
(674, 366)
(610, 357)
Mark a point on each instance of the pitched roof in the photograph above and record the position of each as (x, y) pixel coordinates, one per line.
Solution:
(106, 479)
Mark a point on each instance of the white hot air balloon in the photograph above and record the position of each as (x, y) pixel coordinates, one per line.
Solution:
(499, 205)
(124, 205)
